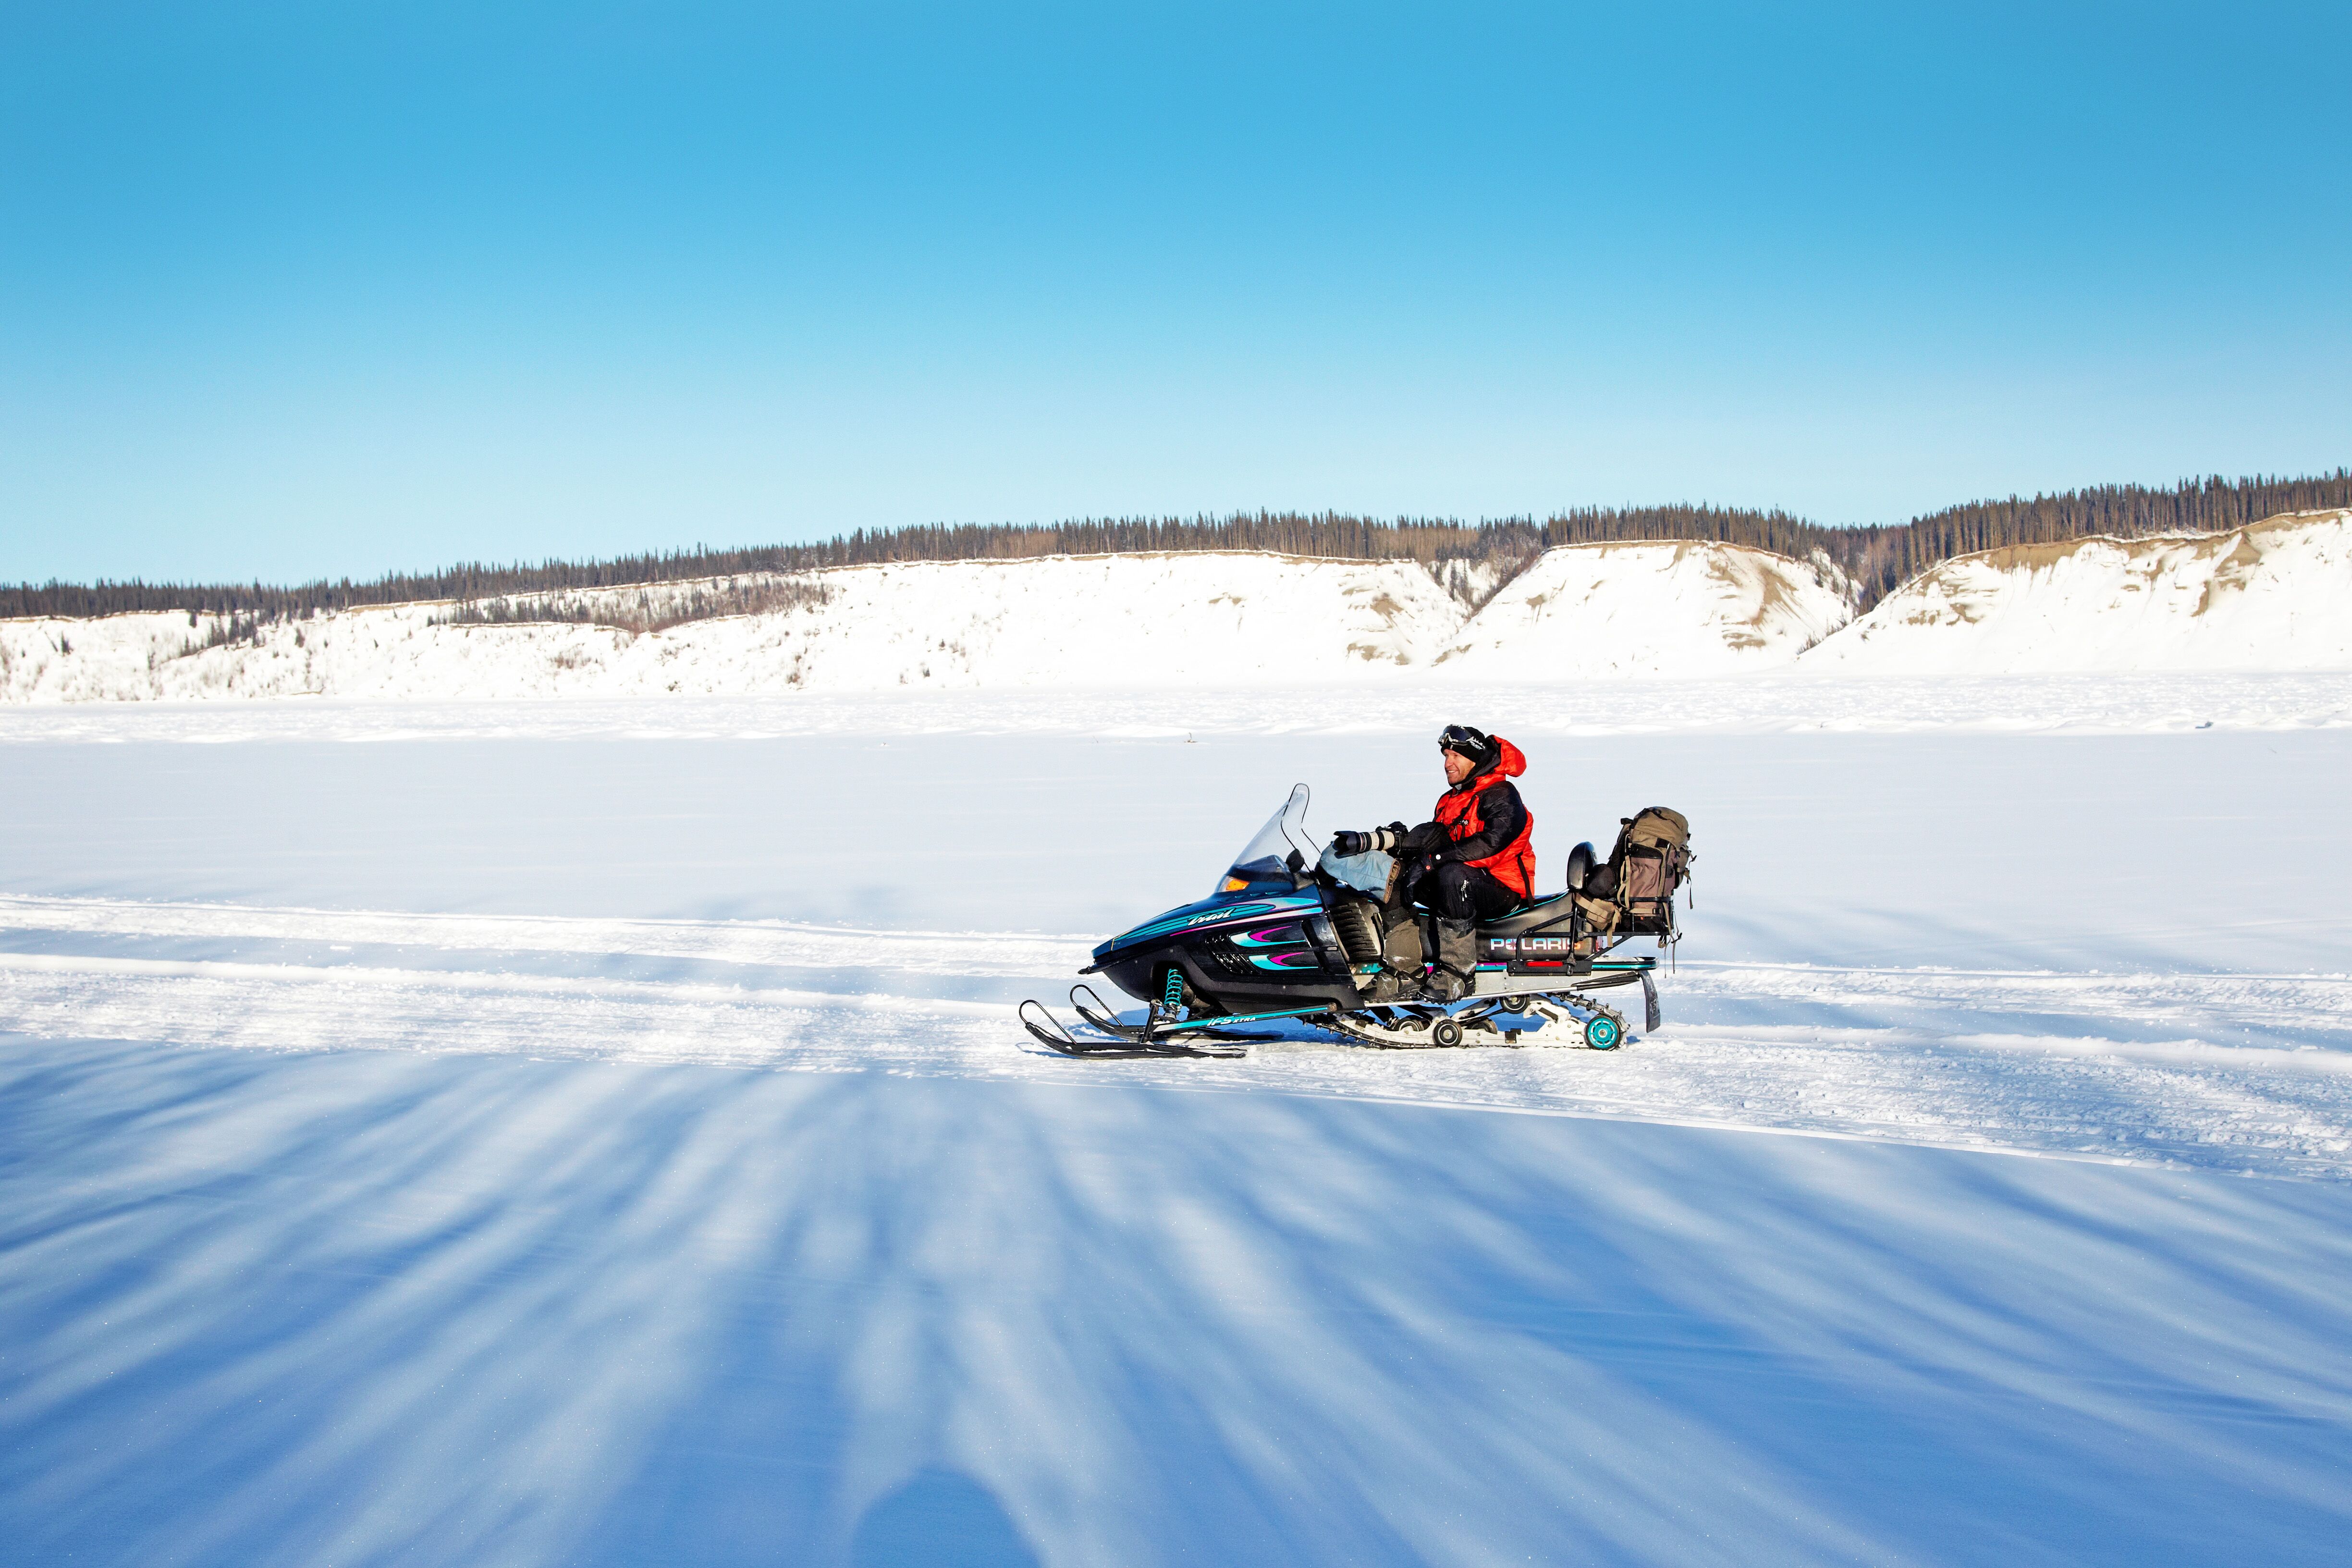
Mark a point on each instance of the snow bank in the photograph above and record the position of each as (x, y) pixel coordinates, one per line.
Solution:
(2275, 594)
(1690, 607)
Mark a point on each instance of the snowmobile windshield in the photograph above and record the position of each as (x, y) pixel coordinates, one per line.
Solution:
(1267, 857)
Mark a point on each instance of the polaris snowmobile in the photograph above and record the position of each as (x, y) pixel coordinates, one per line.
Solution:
(1294, 935)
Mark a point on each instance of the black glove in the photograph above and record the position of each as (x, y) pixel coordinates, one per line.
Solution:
(1416, 840)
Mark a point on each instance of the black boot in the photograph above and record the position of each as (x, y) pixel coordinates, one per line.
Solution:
(1401, 956)
(1457, 972)
(1400, 939)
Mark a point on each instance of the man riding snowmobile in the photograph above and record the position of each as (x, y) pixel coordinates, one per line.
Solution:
(1334, 942)
(1472, 861)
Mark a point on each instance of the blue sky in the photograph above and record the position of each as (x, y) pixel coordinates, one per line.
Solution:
(290, 291)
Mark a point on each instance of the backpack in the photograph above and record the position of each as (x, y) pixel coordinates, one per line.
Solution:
(1653, 858)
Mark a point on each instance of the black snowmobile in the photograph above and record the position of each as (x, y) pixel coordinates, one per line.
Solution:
(1292, 933)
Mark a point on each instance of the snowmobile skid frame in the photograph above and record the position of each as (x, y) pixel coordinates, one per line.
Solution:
(1423, 1026)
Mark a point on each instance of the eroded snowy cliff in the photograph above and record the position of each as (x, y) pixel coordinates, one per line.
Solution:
(1111, 621)
(2275, 594)
(1688, 607)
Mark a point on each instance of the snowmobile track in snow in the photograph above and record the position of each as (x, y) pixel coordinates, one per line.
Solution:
(2237, 1071)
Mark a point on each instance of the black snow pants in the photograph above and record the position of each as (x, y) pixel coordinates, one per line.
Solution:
(1462, 892)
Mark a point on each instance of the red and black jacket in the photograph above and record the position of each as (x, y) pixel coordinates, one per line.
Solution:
(1486, 826)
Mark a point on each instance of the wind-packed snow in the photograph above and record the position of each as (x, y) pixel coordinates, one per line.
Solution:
(1683, 608)
(2272, 595)
(2245, 1072)
(274, 1308)
(1794, 702)
(513, 1140)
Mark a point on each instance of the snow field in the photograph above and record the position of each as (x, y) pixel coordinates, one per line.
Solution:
(1791, 703)
(2247, 1073)
(1931, 849)
(575, 1148)
(365, 1307)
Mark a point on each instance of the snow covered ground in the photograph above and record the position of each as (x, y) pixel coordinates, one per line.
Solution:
(2273, 596)
(1682, 609)
(1089, 623)
(597, 1132)
(1796, 702)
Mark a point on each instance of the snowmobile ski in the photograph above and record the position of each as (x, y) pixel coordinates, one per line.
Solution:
(1047, 1031)
(1092, 1012)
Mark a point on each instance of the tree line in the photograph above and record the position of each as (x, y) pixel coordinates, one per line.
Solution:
(1878, 557)
(644, 611)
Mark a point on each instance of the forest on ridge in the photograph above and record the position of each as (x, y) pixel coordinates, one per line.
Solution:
(1878, 558)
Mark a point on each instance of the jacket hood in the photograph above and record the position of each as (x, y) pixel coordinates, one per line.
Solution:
(1509, 763)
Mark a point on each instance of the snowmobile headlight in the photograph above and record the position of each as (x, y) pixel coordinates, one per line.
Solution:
(1234, 884)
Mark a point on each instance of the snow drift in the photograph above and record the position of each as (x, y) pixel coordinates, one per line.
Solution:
(2275, 594)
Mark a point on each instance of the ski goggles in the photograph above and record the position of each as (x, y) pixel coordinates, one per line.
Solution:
(1463, 739)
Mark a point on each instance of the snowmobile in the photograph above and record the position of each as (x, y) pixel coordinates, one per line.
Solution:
(1294, 935)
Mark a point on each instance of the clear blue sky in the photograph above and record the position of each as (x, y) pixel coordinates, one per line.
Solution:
(301, 290)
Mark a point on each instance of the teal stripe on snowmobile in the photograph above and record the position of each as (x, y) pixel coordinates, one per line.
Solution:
(1256, 908)
(1241, 1019)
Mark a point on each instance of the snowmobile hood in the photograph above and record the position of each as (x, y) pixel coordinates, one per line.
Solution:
(1210, 912)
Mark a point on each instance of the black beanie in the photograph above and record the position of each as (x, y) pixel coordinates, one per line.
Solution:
(1475, 744)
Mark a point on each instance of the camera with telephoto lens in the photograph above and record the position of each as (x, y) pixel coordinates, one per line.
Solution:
(1347, 844)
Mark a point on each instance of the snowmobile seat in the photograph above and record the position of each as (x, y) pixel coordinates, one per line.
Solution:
(1534, 915)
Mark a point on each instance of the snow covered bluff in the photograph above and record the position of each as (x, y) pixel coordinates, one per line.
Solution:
(2275, 594)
